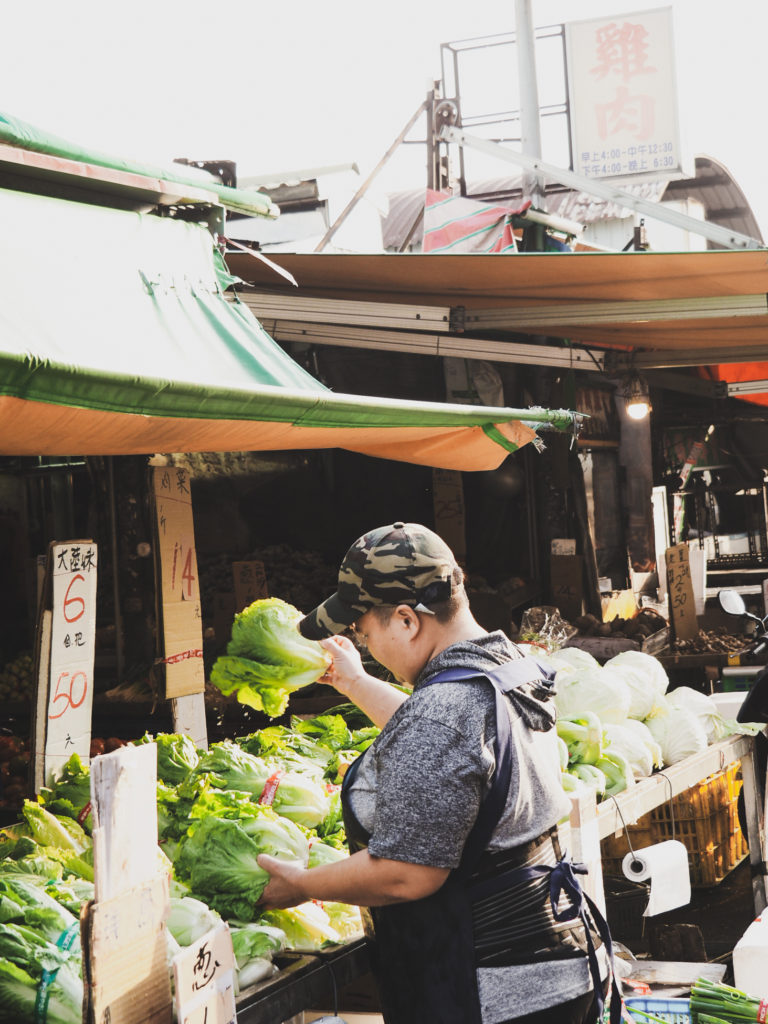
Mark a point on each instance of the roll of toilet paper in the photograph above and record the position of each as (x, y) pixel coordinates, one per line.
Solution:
(665, 866)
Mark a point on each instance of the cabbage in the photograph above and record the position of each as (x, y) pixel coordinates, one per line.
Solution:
(267, 658)
(189, 919)
(678, 732)
(703, 707)
(583, 736)
(643, 733)
(307, 927)
(646, 678)
(625, 741)
(572, 658)
(597, 689)
(591, 776)
(617, 771)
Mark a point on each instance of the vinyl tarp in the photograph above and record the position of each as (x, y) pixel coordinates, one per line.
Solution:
(116, 338)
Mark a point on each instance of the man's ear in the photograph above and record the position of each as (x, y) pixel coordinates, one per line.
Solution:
(408, 618)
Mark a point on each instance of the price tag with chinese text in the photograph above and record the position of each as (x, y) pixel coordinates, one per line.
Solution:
(73, 630)
(204, 978)
(682, 604)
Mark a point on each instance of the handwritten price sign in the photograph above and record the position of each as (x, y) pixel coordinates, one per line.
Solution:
(204, 976)
(179, 584)
(73, 628)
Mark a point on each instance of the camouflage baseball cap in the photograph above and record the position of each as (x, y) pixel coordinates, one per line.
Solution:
(404, 563)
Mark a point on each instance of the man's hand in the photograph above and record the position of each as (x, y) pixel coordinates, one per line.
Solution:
(346, 670)
(284, 888)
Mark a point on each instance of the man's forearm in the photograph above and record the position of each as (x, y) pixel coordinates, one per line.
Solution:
(361, 879)
(377, 699)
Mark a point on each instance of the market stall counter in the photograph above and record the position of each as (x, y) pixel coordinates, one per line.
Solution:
(304, 981)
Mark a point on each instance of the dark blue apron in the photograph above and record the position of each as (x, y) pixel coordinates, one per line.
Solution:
(424, 955)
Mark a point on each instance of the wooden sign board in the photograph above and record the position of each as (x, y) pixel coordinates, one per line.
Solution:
(125, 962)
(682, 602)
(65, 657)
(179, 586)
(123, 929)
(204, 979)
(450, 512)
(250, 582)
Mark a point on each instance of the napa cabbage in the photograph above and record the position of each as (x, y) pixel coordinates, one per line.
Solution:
(678, 732)
(646, 679)
(596, 689)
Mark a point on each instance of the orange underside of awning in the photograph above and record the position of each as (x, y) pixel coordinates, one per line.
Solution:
(38, 428)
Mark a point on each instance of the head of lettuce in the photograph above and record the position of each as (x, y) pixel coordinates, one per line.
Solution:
(267, 658)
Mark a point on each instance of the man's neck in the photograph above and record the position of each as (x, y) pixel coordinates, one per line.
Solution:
(462, 627)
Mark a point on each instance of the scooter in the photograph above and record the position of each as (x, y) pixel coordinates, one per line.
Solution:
(755, 705)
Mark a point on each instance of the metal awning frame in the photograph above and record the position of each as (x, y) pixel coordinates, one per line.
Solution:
(712, 232)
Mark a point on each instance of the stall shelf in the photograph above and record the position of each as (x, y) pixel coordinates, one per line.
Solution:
(591, 822)
(303, 981)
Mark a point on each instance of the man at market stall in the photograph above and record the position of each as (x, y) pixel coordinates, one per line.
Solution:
(451, 814)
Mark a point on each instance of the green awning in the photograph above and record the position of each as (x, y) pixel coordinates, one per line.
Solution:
(116, 337)
(15, 132)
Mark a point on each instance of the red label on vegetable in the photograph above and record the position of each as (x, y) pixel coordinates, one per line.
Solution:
(84, 813)
(762, 1010)
(270, 788)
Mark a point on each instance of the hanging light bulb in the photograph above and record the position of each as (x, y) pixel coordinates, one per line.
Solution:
(636, 396)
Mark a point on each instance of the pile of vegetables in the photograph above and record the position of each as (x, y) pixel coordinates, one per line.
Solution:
(267, 658)
(714, 1003)
(618, 722)
(274, 791)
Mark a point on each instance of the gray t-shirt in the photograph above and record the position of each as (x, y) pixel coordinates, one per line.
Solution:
(420, 786)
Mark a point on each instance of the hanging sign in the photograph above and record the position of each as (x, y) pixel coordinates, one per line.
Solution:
(73, 567)
(623, 96)
(204, 979)
(178, 585)
(682, 602)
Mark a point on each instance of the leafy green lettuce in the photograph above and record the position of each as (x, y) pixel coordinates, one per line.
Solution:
(267, 658)
(70, 794)
(219, 858)
(176, 756)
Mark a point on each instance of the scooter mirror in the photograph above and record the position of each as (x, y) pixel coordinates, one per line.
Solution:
(731, 602)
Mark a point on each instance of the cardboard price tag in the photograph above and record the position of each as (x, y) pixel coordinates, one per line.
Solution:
(73, 632)
(204, 979)
(682, 604)
(179, 584)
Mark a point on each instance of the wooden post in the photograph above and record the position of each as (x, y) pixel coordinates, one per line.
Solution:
(756, 817)
(585, 845)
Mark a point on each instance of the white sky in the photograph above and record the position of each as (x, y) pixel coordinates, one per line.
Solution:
(296, 84)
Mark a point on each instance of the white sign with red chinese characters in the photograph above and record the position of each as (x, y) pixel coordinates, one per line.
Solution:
(73, 630)
(623, 96)
(204, 979)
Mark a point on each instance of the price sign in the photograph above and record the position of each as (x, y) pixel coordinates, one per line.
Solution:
(73, 630)
(682, 604)
(179, 584)
(204, 978)
(250, 583)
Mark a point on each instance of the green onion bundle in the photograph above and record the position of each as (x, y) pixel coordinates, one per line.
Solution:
(714, 1003)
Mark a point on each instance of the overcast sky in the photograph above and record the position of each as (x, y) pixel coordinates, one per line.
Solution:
(295, 84)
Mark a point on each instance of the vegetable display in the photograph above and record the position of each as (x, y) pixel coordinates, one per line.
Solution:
(214, 819)
(619, 723)
(267, 658)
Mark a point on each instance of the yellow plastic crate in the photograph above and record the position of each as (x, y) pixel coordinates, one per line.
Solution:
(704, 818)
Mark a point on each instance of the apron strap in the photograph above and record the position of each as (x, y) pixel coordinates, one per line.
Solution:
(563, 881)
(505, 677)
